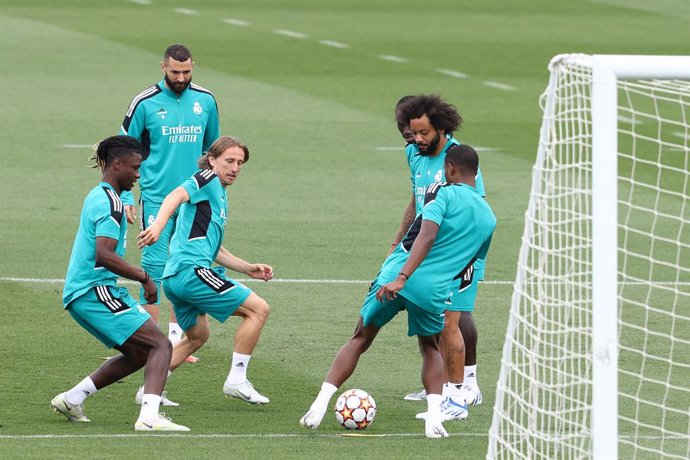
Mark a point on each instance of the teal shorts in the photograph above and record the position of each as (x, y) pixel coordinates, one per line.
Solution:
(153, 257)
(419, 321)
(108, 313)
(463, 292)
(196, 291)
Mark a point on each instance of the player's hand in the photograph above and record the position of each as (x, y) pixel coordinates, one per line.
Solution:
(150, 291)
(260, 272)
(389, 291)
(131, 213)
(148, 236)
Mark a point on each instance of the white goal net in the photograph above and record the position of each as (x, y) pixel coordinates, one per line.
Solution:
(548, 375)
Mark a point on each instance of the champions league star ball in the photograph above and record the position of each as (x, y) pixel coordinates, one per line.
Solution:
(355, 409)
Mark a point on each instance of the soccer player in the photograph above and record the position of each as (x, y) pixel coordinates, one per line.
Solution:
(404, 129)
(176, 121)
(433, 121)
(106, 311)
(194, 287)
(453, 229)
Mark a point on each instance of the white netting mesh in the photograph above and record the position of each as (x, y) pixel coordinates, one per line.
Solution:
(543, 404)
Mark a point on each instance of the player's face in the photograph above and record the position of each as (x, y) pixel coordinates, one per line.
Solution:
(178, 75)
(228, 164)
(128, 172)
(406, 133)
(428, 138)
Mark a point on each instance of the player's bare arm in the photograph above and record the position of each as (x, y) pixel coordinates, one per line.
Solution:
(131, 213)
(108, 258)
(170, 204)
(408, 218)
(257, 271)
(420, 248)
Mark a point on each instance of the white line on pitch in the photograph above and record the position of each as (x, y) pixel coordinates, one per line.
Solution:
(680, 134)
(244, 280)
(290, 33)
(452, 73)
(334, 44)
(141, 2)
(77, 146)
(237, 22)
(186, 11)
(222, 435)
(274, 436)
(501, 86)
(391, 58)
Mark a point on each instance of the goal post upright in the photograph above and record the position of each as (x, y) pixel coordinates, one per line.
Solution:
(606, 71)
(604, 262)
(578, 364)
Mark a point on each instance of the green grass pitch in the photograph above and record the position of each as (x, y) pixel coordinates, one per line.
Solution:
(321, 198)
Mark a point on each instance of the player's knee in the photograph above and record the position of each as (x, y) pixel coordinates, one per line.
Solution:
(261, 310)
(198, 336)
(430, 343)
(361, 340)
(450, 331)
(167, 346)
(468, 329)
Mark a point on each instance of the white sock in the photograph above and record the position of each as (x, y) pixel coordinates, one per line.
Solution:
(238, 368)
(433, 402)
(471, 375)
(149, 407)
(81, 391)
(325, 395)
(174, 333)
(451, 389)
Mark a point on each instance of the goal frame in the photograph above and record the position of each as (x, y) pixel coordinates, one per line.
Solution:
(607, 70)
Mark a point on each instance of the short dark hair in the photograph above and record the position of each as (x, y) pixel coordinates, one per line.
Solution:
(442, 115)
(219, 146)
(463, 157)
(114, 147)
(178, 52)
(398, 116)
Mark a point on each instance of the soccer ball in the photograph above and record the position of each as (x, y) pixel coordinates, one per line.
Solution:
(355, 409)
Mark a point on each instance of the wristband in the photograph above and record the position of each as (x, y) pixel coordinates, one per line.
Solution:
(146, 278)
(402, 274)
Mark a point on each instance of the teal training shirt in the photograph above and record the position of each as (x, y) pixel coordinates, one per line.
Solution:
(466, 224)
(102, 215)
(200, 224)
(174, 129)
(425, 171)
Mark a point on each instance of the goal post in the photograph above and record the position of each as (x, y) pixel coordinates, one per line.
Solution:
(596, 361)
